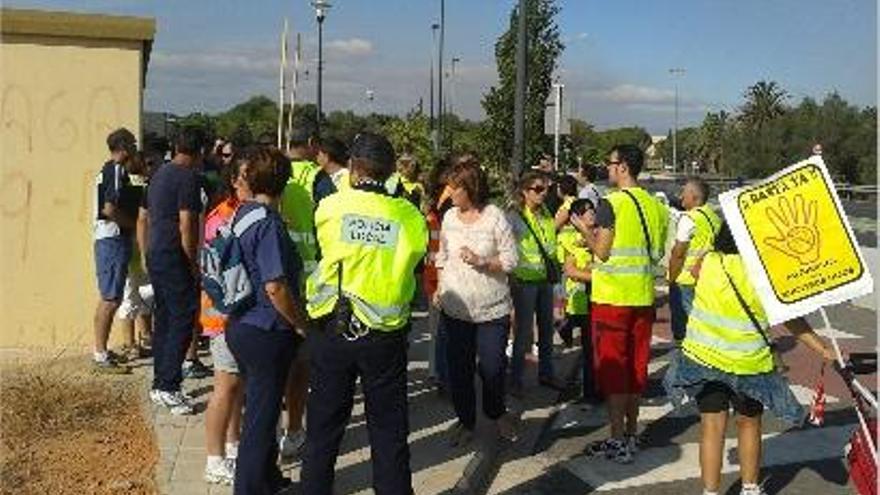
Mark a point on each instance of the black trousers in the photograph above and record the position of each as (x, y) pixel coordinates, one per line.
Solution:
(466, 342)
(379, 359)
(264, 357)
(588, 377)
(177, 303)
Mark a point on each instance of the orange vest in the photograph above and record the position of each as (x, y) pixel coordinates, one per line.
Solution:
(429, 275)
(212, 321)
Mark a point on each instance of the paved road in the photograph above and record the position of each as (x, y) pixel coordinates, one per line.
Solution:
(796, 461)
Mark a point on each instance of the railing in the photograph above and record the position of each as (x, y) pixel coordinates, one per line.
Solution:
(846, 191)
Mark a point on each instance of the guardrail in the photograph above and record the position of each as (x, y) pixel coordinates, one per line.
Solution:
(846, 191)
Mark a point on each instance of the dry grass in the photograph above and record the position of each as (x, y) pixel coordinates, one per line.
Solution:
(65, 430)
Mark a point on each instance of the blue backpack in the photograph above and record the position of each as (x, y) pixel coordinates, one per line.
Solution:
(224, 277)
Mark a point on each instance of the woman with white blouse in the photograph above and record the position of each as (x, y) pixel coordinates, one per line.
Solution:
(477, 251)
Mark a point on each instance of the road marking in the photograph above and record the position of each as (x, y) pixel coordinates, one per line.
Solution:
(681, 462)
(805, 395)
(839, 334)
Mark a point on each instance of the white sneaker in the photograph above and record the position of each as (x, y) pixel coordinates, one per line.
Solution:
(752, 490)
(232, 451)
(290, 446)
(176, 402)
(219, 471)
(632, 443)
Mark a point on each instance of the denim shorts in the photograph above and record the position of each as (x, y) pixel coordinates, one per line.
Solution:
(223, 358)
(112, 255)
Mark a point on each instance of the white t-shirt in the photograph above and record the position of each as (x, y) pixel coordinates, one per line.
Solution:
(684, 232)
(591, 193)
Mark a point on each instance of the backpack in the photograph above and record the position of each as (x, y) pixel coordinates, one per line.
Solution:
(224, 277)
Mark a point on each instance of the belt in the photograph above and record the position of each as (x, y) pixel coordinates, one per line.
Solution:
(351, 330)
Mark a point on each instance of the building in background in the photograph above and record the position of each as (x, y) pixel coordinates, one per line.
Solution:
(67, 80)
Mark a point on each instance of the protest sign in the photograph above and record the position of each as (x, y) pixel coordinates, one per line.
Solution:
(796, 241)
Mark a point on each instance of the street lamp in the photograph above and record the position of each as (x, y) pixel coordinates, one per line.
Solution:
(321, 7)
(434, 28)
(371, 95)
(675, 71)
(440, 75)
(455, 60)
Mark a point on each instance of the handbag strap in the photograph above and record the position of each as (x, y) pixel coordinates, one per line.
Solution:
(644, 225)
(706, 216)
(544, 254)
(745, 307)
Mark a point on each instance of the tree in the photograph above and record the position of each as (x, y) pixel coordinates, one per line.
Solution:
(543, 51)
(259, 114)
(765, 101)
(411, 135)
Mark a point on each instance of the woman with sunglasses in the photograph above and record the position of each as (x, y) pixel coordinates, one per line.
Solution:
(531, 284)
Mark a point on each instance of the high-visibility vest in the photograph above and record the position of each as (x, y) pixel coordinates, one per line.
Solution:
(719, 331)
(374, 242)
(430, 277)
(627, 277)
(530, 267)
(344, 181)
(298, 211)
(211, 320)
(577, 298)
(707, 223)
(411, 186)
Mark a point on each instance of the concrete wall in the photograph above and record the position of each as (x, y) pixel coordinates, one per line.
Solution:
(60, 98)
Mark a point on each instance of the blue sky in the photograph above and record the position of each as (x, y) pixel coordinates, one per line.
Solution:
(210, 54)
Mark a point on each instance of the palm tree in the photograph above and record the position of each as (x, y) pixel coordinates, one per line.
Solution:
(711, 140)
(764, 102)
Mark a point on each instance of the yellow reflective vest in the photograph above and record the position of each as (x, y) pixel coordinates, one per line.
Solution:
(374, 242)
(298, 211)
(627, 277)
(577, 299)
(719, 331)
(530, 267)
(707, 223)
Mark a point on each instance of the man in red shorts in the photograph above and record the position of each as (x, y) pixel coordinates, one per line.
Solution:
(627, 237)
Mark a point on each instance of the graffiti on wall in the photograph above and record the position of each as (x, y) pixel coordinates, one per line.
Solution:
(63, 125)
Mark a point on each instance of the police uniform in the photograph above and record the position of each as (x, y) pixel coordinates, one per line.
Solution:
(360, 297)
(681, 293)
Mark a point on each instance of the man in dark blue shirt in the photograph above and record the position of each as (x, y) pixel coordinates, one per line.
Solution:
(173, 207)
(114, 223)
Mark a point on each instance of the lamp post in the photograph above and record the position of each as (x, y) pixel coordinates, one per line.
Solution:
(440, 75)
(455, 60)
(321, 7)
(434, 28)
(675, 71)
(520, 94)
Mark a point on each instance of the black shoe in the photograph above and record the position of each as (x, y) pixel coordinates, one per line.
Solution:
(552, 382)
(195, 369)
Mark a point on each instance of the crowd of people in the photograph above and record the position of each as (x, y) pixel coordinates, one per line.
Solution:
(339, 239)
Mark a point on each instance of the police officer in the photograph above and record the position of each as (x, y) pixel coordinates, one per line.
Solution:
(360, 298)
(694, 236)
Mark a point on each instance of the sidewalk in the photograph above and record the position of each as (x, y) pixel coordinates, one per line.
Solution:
(549, 456)
(436, 466)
